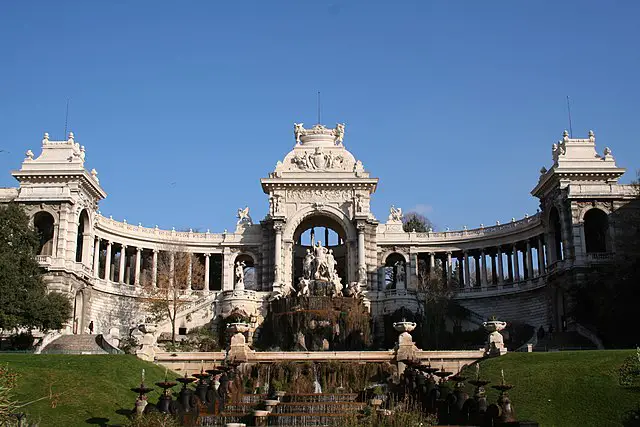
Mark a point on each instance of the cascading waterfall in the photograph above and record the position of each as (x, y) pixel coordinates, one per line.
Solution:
(317, 388)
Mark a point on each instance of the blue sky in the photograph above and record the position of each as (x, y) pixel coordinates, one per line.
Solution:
(184, 106)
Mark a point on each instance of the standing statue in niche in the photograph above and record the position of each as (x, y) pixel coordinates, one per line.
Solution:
(239, 273)
(400, 273)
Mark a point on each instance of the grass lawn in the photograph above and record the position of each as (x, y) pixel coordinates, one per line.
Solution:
(92, 388)
(572, 388)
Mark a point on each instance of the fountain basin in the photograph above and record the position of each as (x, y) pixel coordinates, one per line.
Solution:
(260, 413)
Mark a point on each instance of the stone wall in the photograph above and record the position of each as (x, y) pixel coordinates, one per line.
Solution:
(531, 307)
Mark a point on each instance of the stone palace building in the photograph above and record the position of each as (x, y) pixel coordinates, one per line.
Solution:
(320, 236)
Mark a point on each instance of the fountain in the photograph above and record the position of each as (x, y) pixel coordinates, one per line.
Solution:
(165, 403)
(141, 400)
(504, 403)
(184, 397)
(202, 386)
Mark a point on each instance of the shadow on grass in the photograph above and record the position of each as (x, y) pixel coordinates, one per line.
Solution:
(99, 421)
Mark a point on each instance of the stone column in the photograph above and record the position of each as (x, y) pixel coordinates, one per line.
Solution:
(227, 270)
(136, 278)
(432, 262)
(96, 258)
(449, 266)
(494, 271)
(516, 265)
(540, 256)
(107, 264)
(483, 272)
(500, 267)
(529, 261)
(362, 265)
(206, 270)
(277, 261)
(467, 270)
(123, 258)
(154, 269)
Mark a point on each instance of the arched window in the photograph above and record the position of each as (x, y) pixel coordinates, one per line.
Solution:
(82, 242)
(556, 231)
(395, 271)
(43, 222)
(596, 227)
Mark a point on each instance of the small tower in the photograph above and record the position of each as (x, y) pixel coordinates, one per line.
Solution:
(62, 198)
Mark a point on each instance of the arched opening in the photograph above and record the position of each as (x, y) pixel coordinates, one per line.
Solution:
(316, 232)
(246, 263)
(395, 272)
(596, 227)
(556, 233)
(78, 306)
(43, 222)
(83, 241)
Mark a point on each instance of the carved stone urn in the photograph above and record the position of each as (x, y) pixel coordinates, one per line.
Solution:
(404, 326)
(495, 340)
(239, 327)
(148, 328)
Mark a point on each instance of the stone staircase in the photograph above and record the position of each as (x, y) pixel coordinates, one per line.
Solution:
(564, 341)
(74, 344)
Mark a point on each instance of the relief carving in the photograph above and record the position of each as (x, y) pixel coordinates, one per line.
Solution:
(312, 195)
(318, 160)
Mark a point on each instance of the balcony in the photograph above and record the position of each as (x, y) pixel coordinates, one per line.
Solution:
(600, 257)
(43, 260)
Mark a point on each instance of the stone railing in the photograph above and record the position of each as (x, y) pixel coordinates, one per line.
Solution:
(509, 227)
(193, 361)
(43, 260)
(111, 224)
(599, 257)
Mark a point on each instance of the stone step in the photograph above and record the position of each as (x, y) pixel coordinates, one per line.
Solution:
(74, 344)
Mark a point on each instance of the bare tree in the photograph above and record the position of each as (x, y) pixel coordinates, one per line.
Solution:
(178, 272)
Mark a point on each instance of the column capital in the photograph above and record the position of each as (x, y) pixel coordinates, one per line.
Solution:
(155, 251)
(360, 226)
(109, 243)
(139, 249)
(207, 255)
(123, 246)
(278, 227)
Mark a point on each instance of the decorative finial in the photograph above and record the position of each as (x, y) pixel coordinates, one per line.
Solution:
(565, 134)
(71, 136)
(46, 136)
(513, 219)
(139, 224)
(464, 228)
(591, 134)
(191, 230)
(543, 170)
(526, 215)
(173, 229)
(481, 225)
(124, 220)
(498, 222)
(29, 155)
(607, 151)
(94, 174)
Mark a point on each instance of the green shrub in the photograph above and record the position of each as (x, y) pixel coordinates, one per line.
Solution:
(629, 371)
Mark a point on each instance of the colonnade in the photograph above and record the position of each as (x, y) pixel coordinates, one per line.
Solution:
(119, 263)
(501, 265)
